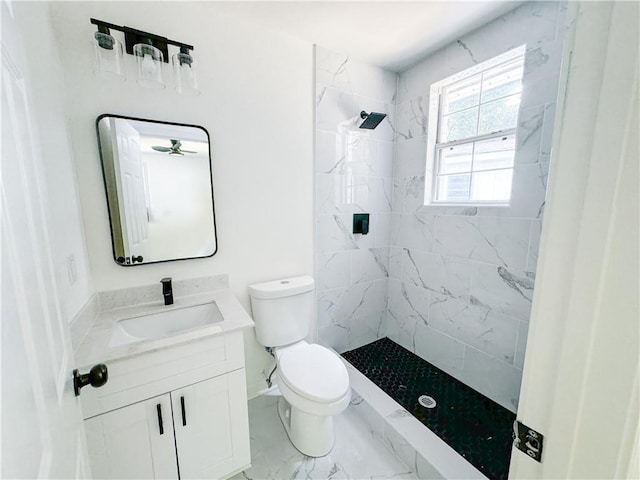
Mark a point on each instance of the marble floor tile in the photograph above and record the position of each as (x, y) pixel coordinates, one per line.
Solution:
(357, 454)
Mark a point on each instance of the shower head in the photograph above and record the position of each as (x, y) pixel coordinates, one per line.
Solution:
(371, 120)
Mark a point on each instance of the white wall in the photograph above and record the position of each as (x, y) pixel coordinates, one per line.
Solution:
(179, 195)
(44, 83)
(257, 105)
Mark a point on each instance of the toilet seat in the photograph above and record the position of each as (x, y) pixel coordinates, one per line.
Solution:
(313, 372)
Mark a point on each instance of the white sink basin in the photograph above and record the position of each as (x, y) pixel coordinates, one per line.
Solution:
(163, 324)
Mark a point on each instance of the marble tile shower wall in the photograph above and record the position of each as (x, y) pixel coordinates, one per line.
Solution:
(461, 278)
(353, 174)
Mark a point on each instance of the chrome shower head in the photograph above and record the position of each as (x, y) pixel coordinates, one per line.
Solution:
(371, 120)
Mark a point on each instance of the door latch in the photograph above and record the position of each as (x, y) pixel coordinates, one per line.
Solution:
(527, 440)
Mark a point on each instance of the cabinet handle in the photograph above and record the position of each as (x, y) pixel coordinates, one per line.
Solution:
(159, 410)
(184, 415)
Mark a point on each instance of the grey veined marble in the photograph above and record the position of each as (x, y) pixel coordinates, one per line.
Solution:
(505, 291)
(412, 118)
(357, 453)
(459, 278)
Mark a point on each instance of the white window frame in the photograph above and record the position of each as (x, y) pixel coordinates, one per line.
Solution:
(433, 131)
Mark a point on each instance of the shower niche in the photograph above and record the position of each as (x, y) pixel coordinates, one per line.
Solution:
(159, 189)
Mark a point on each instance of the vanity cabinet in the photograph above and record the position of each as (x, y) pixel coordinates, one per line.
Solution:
(197, 429)
(127, 443)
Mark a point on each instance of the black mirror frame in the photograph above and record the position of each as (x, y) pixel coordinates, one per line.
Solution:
(104, 183)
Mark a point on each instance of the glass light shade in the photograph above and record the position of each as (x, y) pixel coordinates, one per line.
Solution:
(108, 56)
(149, 60)
(184, 74)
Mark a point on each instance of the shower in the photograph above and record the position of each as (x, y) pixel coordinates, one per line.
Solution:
(371, 120)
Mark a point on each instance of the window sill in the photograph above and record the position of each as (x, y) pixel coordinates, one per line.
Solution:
(439, 204)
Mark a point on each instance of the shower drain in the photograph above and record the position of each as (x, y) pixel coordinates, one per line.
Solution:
(427, 401)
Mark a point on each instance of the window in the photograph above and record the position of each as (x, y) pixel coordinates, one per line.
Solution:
(472, 130)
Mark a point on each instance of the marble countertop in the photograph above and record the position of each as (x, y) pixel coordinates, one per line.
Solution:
(95, 346)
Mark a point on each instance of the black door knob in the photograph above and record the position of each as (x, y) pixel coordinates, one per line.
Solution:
(97, 377)
(135, 259)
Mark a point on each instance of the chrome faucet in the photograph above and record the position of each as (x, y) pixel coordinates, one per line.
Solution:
(167, 290)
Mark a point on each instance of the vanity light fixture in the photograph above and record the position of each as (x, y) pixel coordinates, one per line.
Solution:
(184, 73)
(150, 50)
(108, 53)
(149, 60)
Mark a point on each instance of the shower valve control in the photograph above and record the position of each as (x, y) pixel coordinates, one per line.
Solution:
(361, 223)
(527, 440)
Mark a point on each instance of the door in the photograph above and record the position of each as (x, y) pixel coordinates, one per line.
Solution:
(133, 442)
(211, 426)
(581, 372)
(131, 188)
(42, 431)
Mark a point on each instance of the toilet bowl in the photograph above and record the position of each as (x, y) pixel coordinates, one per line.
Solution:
(315, 386)
(313, 380)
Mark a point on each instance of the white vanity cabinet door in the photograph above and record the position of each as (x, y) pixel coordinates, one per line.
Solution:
(126, 443)
(213, 437)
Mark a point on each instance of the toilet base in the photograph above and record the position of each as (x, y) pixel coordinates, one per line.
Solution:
(312, 435)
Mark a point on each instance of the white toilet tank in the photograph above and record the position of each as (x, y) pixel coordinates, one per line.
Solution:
(282, 310)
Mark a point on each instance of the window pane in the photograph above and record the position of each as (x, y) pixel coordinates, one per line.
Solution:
(502, 80)
(453, 187)
(494, 153)
(499, 115)
(456, 159)
(460, 95)
(459, 125)
(480, 102)
(494, 185)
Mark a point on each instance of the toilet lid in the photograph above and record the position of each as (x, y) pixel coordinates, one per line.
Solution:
(314, 372)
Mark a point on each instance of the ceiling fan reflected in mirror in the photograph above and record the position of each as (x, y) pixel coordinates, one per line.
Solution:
(174, 149)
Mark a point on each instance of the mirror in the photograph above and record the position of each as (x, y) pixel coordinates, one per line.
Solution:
(159, 187)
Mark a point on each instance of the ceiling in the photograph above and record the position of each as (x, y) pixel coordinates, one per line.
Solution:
(392, 35)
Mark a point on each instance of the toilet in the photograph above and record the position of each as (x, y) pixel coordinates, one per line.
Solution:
(312, 379)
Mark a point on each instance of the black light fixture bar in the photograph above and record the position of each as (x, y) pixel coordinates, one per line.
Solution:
(133, 36)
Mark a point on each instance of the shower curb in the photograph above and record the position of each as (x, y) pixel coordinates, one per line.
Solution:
(420, 449)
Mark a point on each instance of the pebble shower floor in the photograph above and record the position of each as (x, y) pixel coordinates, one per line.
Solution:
(476, 427)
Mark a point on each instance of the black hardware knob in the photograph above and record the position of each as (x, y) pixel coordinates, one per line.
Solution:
(120, 260)
(135, 259)
(97, 377)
